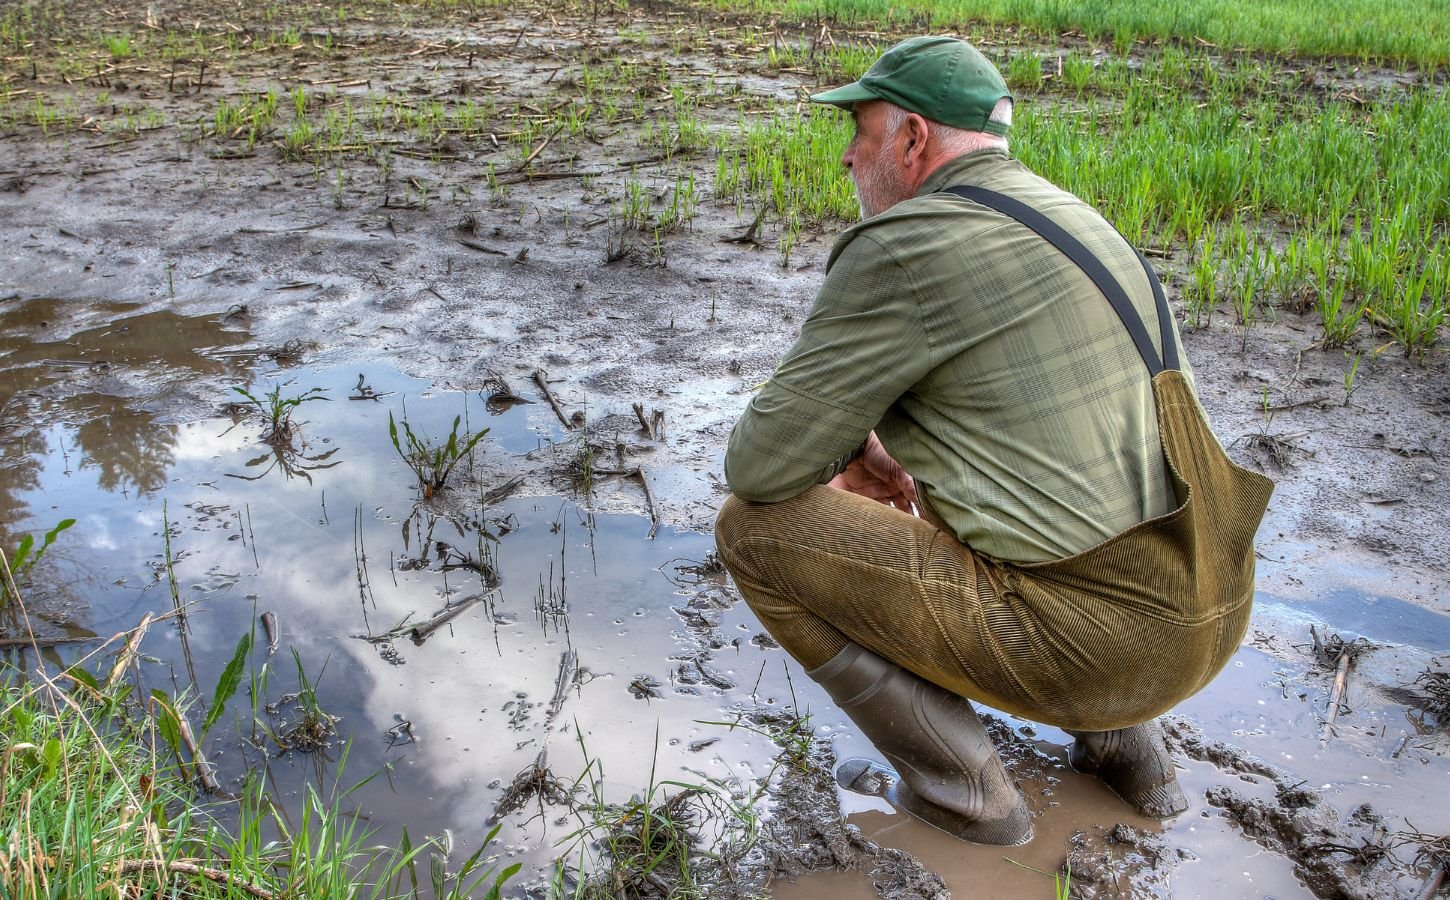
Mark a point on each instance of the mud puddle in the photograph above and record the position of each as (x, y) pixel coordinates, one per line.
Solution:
(1269, 715)
(462, 640)
(574, 642)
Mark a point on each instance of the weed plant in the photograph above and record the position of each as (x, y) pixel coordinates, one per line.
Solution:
(431, 462)
(655, 842)
(23, 559)
(276, 410)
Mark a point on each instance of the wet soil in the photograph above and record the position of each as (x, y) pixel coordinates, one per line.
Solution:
(144, 275)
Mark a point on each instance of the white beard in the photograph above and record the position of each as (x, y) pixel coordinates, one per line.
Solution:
(878, 187)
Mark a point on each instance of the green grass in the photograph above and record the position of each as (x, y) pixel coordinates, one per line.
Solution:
(658, 840)
(94, 807)
(789, 163)
(101, 788)
(1340, 207)
(1339, 203)
(119, 46)
(1404, 31)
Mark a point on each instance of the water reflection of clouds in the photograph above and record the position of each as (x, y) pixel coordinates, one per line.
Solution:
(95, 531)
(207, 441)
(291, 548)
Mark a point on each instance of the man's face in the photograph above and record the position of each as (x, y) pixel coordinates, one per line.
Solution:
(871, 158)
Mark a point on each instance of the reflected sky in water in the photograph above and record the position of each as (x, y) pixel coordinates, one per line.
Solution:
(344, 549)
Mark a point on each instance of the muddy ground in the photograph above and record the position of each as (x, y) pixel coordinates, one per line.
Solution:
(461, 279)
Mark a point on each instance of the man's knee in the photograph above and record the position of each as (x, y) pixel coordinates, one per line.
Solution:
(739, 521)
(728, 524)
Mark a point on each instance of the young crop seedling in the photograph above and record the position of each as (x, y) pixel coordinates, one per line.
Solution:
(1061, 880)
(24, 558)
(277, 411)
(1025, 71)
(1413, 318)
(432, 463)
(1351, 377)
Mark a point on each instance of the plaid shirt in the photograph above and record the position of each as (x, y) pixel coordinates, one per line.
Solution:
(989, 365)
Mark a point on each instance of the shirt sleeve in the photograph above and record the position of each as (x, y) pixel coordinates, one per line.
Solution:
(862, 346)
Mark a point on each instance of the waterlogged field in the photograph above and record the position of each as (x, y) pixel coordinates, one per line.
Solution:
(371, 606)
(1273, 182)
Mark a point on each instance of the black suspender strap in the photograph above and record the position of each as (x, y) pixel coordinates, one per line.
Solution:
(1093, 268)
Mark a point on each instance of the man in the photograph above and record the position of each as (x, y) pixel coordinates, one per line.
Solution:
(988, 352)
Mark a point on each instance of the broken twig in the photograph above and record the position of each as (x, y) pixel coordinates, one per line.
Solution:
(503, 490)
(269, 625)
(541, 378)
(421, 633)
(45, 641)
(1432, 884)
(1341, 672)
(568, 668)
(539, 149)
(128, 651)
(203, 768)
(654, 516)
(1336, 651)
(188, 867)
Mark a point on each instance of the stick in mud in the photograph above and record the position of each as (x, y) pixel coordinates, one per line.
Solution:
(45, 641)
(192, 867)
(503, 490)
(568, 669)
(475, 245)
(269, 625)
(1432, 884)
(1342, 653)
(541, 378)
(540, 149)
(649, 498)
(203, 768)
(654, 426)
(421, 633)
(1341, 672)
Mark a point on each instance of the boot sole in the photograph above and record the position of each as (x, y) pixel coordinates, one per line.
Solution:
(873, 779)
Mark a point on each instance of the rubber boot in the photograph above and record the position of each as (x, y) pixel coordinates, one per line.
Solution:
(945, 770)
(1135, 763)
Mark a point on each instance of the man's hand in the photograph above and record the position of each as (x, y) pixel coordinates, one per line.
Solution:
(876, 475)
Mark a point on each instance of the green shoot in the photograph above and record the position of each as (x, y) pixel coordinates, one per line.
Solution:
(24, 558)
(277, 412)
(432, 463)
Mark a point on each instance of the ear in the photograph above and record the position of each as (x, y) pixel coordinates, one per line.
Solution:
(915, 134)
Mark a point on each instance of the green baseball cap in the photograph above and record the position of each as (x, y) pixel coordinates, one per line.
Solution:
(942, 78)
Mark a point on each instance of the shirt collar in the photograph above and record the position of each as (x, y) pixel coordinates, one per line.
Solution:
(965, 169)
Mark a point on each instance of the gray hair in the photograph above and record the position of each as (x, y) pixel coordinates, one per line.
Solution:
(959, 140)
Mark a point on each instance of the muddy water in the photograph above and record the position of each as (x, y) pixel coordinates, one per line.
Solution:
(331, 539)
(1272, 710)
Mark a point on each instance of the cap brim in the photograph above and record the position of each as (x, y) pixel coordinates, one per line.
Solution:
(845, 97)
